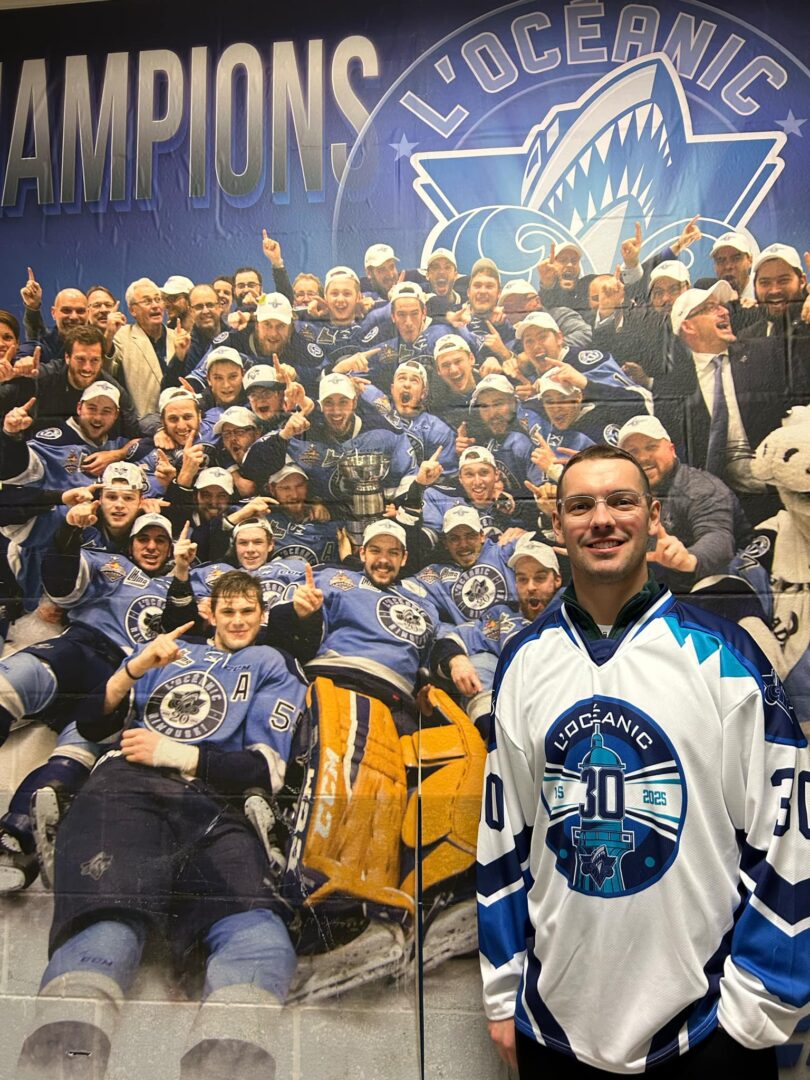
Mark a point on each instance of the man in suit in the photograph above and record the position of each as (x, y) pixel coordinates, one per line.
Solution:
(146, 346)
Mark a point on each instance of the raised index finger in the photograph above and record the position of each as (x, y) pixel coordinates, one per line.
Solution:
(435, 455)
(309, 575)
(28, 404)
(638, 232)
(31, 277)
(189, 441)
(175, 634)
(185, 531)
(553, 254)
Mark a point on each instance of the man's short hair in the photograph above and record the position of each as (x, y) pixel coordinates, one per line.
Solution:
(141, 283)
(100, 288)
(248, 270)
(236, 583)
(603, 452)
(222, 277)
(309, 277)
(83, 335)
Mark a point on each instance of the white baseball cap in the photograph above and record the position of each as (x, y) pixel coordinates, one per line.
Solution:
(124, 474)
(475, 454)
(495, 381)
(779, 251)
(536, 318)
(174, 392)
(340, 271)
(671, 268)
(461, 515)
(693, 298)
(407, 289)
(377, 254)
(290, 469)
(737, 240)
(215, 477)
(449, 343)
(261, 375)
(223, 354)
(102, 389)
(336, 383)
(532, 549)
(644, 424)
(415, 367)
(176, 285)
(254, 523)
(237, 415)
(548, 382)
(518, 287)
(145, 520)
(275, 306)
(385, 527)
(441, 253)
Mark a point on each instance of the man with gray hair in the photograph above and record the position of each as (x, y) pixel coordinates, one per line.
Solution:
(146, 347)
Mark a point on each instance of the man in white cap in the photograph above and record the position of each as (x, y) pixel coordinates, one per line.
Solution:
(238, 430)
(701, 523)
(493, 422)
(722, 400)
(405, 409)
(451, 388)
(206, 324)
(477, 576)
(733, 255)
(780, 286)
(561, 281)
(381, 270)
(301, 527)
(441, 272)
(479, 486)
(176, 293)
(557, 417)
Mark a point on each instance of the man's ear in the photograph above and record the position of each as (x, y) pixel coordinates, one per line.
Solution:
(655, 517)
(556, 522)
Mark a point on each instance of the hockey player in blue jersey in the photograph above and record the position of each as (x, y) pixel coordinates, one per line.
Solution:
(405, 409)
(645, 799)
(161, 828)
(493, 423)
(467, 653)
(478, 576)
(559, 415)
(301, 528)
(342, 333)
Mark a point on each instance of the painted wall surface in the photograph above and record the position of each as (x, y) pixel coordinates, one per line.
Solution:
(142, 141)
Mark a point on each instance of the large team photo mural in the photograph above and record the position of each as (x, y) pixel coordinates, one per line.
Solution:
(303, 316)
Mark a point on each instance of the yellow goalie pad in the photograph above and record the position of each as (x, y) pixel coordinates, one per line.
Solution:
(351, 846)
(452, 757)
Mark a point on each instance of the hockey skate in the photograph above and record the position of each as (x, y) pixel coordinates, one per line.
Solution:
(49, 804)
(18, 869)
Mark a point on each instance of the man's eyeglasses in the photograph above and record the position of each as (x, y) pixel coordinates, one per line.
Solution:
(618, 502)
(205, 307)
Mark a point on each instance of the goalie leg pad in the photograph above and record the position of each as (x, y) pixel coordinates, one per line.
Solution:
(451, 794)
(345, 848)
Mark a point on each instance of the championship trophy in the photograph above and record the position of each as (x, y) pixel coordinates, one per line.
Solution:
(361, 477)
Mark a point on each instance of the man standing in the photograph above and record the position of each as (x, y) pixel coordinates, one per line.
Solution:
(642, 868)
(146, 347)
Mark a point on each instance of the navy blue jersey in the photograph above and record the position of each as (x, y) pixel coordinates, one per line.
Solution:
(461, 594)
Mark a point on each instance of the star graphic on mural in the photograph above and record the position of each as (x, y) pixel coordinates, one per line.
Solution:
(404, 148)
(791, 125)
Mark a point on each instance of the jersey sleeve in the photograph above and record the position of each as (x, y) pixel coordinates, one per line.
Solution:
(502, 871)
(766, 780)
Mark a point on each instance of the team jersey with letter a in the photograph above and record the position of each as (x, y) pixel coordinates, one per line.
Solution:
(246, 700)
(116, 598)
(384, 632)
(643, 854)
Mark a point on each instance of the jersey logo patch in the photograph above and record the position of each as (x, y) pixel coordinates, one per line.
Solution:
(590, 356)
(615, 796)
(403, 619)
(428, 575)
(315, 350)
(142, 620)
(341, 581)
(478, 589)
(412, 586)
(187, 707)
(97, 866)
(112, 570)
(137, 578)
(49, 433)
(611, 434)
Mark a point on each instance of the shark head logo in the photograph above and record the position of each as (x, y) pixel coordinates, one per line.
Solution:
(622, 152)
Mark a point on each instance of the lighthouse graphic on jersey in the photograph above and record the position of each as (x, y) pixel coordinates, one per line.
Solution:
(601, 841)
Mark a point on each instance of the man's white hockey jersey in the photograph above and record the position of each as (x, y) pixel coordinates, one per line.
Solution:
(644, 849)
